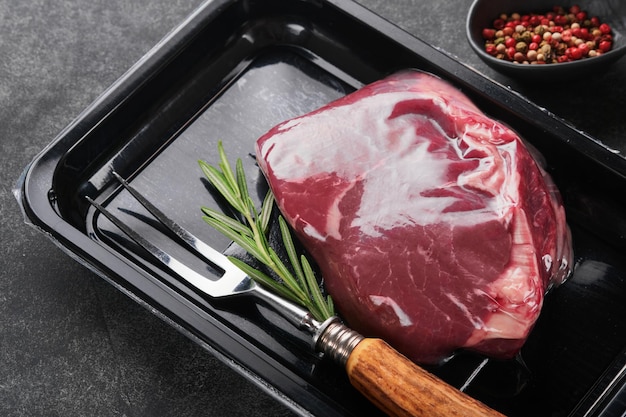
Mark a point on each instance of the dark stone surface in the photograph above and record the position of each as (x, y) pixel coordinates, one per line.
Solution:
(71, 344)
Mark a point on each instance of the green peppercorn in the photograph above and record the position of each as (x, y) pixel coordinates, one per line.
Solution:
(521, 47)
(526, 37)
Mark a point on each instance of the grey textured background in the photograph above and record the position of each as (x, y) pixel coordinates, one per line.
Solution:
(70, 344)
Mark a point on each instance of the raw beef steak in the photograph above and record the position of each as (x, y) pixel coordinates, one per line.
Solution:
(433, 226)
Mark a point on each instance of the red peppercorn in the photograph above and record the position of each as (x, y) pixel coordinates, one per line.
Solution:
(510, 52)
(575, 53)
(606, 38)
(498, 24)
(519, 57)
(595, 21)
(574, 9)
(605, 46)
(605, 28)
(489, 34)
(584, 33)
(510, 42)
(560, 20)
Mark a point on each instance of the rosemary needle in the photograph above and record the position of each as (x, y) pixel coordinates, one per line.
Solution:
(296, 281)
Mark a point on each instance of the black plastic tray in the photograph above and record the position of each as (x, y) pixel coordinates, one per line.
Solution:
(234, 69)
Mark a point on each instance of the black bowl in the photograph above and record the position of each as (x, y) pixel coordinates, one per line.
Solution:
(483, 12)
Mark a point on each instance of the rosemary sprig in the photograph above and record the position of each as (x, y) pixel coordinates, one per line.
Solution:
(296, 281)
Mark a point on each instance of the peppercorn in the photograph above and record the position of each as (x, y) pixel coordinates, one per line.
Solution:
(491, 49)
(521, 47)
(604, 46)
(604, 28)
(510, 42)
(489, 33)
(574, 53)
(510, 53)
(558, 35)
(526, 37)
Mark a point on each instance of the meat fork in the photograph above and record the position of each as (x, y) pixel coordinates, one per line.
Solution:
(388, 379)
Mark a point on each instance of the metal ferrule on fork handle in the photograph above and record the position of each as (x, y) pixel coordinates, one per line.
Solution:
(336, 340)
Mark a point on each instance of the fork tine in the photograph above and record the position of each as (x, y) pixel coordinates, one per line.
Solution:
(233, 281)
(198, 246)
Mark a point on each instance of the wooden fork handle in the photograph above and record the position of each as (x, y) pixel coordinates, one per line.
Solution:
(400, 388)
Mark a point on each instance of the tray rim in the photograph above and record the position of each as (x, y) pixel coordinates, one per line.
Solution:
(30, 189)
